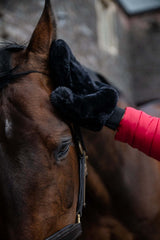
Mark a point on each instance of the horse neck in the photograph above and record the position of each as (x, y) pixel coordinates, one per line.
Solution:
(130, 177)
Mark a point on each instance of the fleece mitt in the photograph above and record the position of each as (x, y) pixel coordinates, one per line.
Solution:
(77, 97)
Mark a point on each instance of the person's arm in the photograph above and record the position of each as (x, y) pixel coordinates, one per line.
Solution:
(141, 131)
(92, 105)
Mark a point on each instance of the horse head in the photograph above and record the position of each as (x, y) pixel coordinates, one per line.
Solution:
(39, 175)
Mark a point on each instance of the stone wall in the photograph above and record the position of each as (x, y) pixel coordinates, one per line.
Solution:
(145, 56)
(77, 23)
(102, 37)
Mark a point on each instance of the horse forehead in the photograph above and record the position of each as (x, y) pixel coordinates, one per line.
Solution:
(36, 114)
(28, 100)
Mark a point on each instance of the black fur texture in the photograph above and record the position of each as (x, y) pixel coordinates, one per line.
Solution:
(77, 97)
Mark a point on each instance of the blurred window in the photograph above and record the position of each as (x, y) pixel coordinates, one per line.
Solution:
(107, 27)
(139, 6)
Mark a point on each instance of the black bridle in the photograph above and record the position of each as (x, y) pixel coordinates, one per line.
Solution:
(73, 231)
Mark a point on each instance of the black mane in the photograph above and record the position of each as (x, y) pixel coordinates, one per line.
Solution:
(7, 74)
(6, 71)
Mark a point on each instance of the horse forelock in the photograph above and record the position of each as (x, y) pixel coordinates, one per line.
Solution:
(5, 52)
(7, 74)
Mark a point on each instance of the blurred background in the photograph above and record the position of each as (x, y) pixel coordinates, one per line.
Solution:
(120, 39)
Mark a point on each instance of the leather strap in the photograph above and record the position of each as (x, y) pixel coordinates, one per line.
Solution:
(73, 231)
(69, 232)
(81, 152)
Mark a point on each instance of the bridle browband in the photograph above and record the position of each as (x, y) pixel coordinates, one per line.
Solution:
(73, 231)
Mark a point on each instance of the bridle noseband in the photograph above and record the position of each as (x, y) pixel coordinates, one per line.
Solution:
(73, 231)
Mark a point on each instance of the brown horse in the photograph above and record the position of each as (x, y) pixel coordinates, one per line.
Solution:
(39, 175)
(39, 169)
(123, 188)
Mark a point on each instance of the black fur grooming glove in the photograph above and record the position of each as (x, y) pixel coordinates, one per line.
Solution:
(77, 97)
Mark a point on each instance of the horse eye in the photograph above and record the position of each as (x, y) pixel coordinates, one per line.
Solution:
(63, 149)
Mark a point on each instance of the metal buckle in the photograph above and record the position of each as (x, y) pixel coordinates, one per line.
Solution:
(81, 148)
(78, 218)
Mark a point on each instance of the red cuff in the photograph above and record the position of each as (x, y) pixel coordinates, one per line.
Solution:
(141, 131)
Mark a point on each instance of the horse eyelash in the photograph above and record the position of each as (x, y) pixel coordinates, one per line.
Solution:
(63, 149)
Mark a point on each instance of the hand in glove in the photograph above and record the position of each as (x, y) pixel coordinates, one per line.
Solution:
(78, 98)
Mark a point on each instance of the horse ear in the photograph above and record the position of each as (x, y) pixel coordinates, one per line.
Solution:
(44, 33)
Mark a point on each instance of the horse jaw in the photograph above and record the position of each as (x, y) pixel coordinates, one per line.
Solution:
(44, 33)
